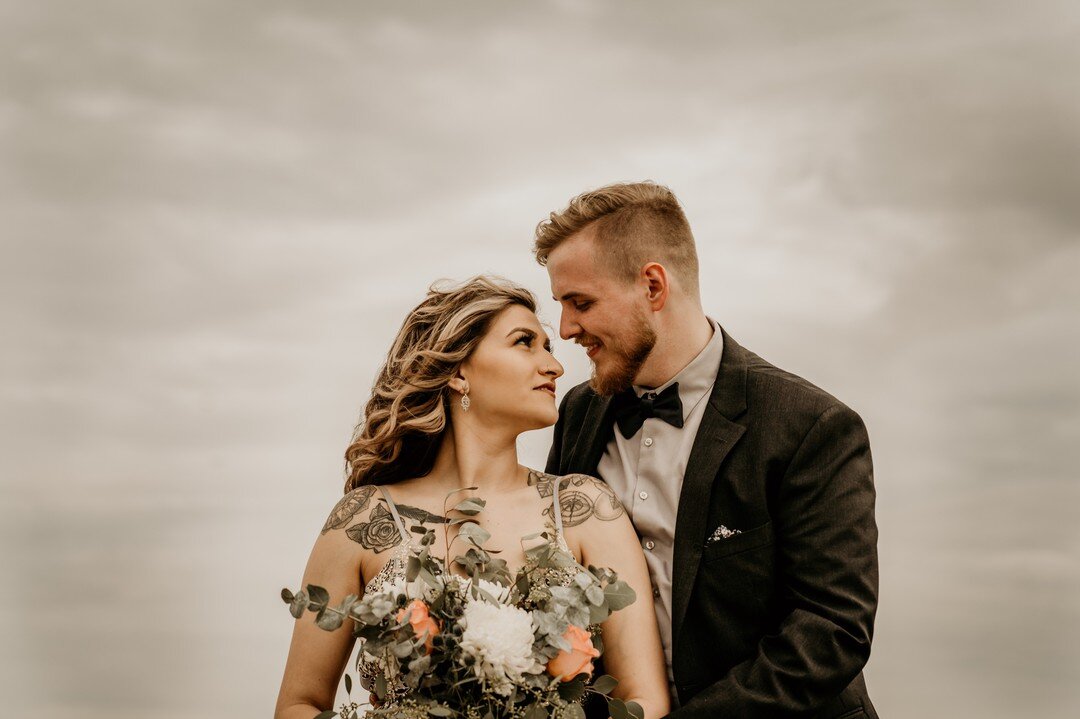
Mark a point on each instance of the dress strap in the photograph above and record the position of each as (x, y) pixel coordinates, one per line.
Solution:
(405, 536)
(557, 510)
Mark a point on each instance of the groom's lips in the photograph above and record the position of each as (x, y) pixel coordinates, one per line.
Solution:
(593, 349)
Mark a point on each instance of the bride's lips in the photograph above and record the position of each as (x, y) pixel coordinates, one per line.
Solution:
(548, 388)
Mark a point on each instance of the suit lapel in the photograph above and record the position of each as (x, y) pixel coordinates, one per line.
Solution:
(593, 437)
(716, 435)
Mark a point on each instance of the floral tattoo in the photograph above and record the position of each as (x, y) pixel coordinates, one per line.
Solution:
(379, 533)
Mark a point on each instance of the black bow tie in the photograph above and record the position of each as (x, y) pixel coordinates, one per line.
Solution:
(631, 411)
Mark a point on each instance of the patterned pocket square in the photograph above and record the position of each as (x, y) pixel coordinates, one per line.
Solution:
(722, 533)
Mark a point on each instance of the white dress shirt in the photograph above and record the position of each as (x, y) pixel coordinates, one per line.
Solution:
(646, 473)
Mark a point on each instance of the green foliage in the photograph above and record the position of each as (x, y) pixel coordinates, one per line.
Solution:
(438, 676)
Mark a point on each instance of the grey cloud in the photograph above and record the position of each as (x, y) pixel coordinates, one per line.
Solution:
(216, 216)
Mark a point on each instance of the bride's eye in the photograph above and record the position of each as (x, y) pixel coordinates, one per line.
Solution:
(527, 339)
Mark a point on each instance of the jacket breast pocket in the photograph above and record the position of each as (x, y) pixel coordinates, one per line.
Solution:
(746, 540)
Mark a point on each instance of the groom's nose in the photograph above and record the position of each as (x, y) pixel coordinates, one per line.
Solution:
(568, 329)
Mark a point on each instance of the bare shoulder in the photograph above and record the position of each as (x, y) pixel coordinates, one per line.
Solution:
(582, 497)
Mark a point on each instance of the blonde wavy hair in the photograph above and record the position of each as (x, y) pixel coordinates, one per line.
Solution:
(405, 418)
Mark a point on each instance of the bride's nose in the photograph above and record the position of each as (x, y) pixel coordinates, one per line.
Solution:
(554, 370)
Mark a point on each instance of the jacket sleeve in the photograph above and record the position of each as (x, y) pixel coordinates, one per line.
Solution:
(827, 569)
(555, 459)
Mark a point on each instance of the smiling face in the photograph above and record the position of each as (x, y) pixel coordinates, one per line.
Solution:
(511, 374)
(607, 315)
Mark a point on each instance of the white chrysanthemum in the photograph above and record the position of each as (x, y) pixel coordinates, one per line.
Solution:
(497, 591)
(499, 637)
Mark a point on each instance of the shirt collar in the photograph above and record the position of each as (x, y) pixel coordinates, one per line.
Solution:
(697, 378)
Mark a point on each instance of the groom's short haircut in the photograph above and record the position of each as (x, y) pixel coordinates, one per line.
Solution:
(633, 223)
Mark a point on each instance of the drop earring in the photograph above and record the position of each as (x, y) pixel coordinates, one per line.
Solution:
(465, 401)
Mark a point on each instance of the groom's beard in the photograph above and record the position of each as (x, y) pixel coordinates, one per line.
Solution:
(624, 360)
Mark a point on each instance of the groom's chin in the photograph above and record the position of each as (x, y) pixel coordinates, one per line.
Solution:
(607, 384)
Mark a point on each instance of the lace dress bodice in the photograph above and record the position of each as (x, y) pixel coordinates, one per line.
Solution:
(394, 570)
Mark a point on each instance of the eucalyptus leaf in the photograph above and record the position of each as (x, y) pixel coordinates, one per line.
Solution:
(474, 533)
(348, 684)
(329, 620)
(287, 595)
(635, 709)
(440, 711)
(471, 506)
(412, 568)
(572, 690)
(605, 684)
(619, 595)
(536, 711)
(428, 578)
(328, 714)
(617, 709)
(574, 711)
(318, 597)
(299, 604)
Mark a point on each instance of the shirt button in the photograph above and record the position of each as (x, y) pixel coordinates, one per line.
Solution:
(648, 441)
(649, 544)
(656, 592)
(643, 494)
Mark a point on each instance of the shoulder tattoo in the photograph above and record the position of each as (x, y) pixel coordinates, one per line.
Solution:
(379, 533)
(576, 502)
(347, 507)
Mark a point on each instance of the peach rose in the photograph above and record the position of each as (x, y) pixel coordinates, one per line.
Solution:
(421, 621)
(578, 660)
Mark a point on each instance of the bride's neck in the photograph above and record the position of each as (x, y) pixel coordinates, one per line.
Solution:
(469, 458)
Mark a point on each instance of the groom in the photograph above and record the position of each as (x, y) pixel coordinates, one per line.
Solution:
(751, 489)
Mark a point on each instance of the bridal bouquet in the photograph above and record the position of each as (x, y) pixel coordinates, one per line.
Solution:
(479, 644)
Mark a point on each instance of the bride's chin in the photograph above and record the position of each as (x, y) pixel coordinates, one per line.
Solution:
(540, 421)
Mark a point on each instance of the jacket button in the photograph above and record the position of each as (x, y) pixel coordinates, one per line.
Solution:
(649, 544)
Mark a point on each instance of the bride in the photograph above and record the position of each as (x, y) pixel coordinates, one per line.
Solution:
(470, 370)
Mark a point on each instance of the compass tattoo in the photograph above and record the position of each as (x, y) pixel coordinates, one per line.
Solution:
(347, 507)
(577, 505)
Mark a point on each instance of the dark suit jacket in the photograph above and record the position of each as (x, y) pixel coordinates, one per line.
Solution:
(775, 621)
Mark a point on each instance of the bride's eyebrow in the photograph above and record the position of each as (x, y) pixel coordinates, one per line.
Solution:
(532, 335)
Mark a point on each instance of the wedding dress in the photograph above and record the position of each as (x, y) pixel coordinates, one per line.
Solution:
(394, 571)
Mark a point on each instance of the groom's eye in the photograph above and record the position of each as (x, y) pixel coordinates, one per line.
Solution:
(582, 306)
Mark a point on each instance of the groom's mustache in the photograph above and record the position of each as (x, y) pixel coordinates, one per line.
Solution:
(584, 340)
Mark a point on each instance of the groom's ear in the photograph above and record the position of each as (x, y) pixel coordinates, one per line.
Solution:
(657, 284)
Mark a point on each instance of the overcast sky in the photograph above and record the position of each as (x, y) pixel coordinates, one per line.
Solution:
(215, 216)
